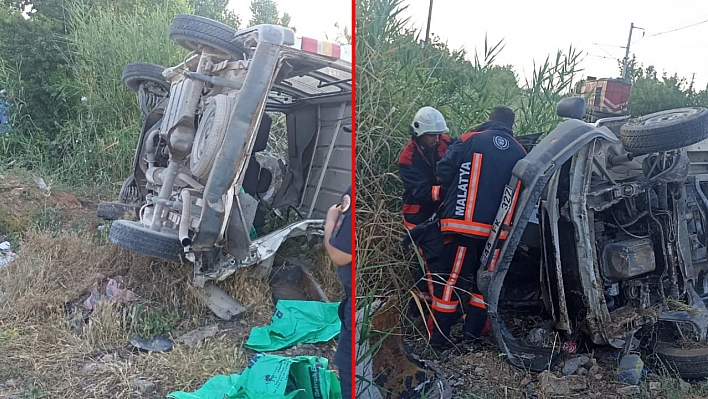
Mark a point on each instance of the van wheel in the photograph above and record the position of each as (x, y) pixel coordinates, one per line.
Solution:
(210, 135)
(690, 363)
(135, 237)
(194, 32)
(665, 130)
(140, 72)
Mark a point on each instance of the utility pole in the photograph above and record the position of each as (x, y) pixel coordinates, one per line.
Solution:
(626, 54)
(427, 29)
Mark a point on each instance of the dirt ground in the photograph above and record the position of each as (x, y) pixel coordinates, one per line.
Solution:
(51, 347)
(482, 372)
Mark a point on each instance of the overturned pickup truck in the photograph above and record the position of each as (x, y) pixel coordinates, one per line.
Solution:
(203, 187)
(609, 222)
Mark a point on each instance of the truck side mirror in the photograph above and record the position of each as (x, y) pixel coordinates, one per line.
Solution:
(571, 107)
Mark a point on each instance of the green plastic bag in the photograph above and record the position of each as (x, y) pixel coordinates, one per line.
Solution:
(273, 377)
(215, 388)
(296, 322)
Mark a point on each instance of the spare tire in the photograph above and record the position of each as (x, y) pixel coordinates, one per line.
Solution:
(210, 135)
(139, 72)
(665, 130)
(193, 32)
(135, 237)
(689, 363)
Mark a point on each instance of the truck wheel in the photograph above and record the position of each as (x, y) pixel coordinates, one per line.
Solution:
(139, 72)
(690, 363)
(665, 130)
(210, 135)
(193, 32)
(135, 237)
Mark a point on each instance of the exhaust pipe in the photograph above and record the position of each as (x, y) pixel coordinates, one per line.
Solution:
(185, 220)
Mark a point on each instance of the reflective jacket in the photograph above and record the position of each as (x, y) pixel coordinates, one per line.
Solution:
(476, 169)
(421, 192)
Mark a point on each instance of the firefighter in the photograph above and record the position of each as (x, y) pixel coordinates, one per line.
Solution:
(338, 241)
(421, 193)
(475, 170)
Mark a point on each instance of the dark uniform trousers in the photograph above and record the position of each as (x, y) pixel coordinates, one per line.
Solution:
(453, 284)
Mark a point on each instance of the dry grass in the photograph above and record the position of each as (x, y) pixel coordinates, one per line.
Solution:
(253, 292)
(325, 272)
(68, 359)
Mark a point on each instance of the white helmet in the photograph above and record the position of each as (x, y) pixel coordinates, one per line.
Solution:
(428, 120)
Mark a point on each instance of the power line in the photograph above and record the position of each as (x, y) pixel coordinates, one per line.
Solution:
(677, 29)
(598, 46)
(602, 56)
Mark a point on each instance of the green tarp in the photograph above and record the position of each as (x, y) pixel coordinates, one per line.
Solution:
(296, 322)
(273, 377)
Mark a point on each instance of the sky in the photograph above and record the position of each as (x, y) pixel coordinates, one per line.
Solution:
(311, 18)
(533, 30)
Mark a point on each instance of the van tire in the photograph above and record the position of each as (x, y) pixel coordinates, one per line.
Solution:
(210, 135)
(689, 363)
(139, 72)
(193, 32)
(665, 130)
(135, 237)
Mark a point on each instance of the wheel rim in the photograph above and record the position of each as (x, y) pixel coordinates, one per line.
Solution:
(204, 137)
(678, 114)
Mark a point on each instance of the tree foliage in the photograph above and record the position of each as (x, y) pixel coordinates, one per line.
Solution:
(651, 92)
(34, 57)
(266, 12)
(60, 70)
(216, 10)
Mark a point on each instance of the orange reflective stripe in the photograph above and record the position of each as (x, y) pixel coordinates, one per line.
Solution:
(472, 186)
(455, 274)
(408, 225)
(444, 306)
(510, 214)
(477, 300)
(436, 193)
(469, 228)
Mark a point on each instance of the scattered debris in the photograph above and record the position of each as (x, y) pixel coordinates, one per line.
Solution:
(654, 386)
(572, 365)
(630, 369)
(570, 347)
(90, 368)
(538, 336)
(118, 294)
(221, 303)
(159, 343)
(6, 254)
(628, 390)
(552, 385)
(42, 185)
(200, 334)
(144, 386)
(576, 382)
(113, 293)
